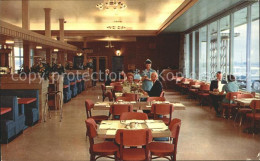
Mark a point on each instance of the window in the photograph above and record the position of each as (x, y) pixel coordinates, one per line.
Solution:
(18, 58)
(254, 52)
(203, 54)
(213, 49)
(31, 57)
(240, 36)
(224, 45)
(186, 56)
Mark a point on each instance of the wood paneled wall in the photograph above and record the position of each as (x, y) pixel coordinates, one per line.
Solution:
(163, 50)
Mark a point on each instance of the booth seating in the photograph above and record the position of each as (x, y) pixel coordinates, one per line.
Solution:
(13, 122)
(79, 83)
(73, 85)
(83, 83)
(66, 90)
(31, 110)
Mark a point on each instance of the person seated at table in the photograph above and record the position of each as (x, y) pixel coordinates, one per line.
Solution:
(122, 76)
(231, 86)
(129, 85)
(156, 88)
(216, 86)
(107, 78)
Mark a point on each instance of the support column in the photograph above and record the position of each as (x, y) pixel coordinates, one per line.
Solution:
(26, 56)
(48, 56)
(61, 20)
(47, 22)
(25, 15)
(85, 53)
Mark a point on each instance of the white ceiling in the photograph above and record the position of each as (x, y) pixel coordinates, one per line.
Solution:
(83, 14)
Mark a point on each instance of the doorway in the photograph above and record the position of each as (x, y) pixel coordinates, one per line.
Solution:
(117, 64)
(99, 66)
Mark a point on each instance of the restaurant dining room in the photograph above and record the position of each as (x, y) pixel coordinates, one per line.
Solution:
(129, 80)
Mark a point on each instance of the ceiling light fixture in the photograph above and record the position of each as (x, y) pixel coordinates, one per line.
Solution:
(111, 4)
(38, 47)
(9, 41)
(109, 45)
(116, 27)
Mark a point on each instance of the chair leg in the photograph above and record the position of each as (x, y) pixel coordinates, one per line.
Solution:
(92, 157)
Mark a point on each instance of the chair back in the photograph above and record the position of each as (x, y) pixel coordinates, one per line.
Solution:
(118, 109)
(255, 104)
(245, 95)
(133, 138)
(133, 96)
(91, 131)
(133, 116)
(118, 88)
(139, 137)
(88, 105)
(230, 95)
(175, 126)
(150, 99)
(103, 88)
(204, 87)
(127, 99)
(162, 94)
(162, 109)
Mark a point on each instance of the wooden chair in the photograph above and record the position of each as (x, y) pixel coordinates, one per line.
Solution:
(242, 111)
(117, 109)
(103, 149)
(162, 94)
(162, 109)
(133, 116)
(89, 105)
(133, 138)
(134, 96)
(105, 93)
(228, 107)
(127, 99)
(150, 99)
(203, 93)
(255, 115)
(167, 150)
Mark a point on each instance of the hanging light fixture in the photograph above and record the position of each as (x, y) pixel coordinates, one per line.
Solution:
(111, 4)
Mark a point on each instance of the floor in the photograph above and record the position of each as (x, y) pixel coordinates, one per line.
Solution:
(202, 137)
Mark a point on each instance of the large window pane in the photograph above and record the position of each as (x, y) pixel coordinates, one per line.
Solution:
(213, 50)
(203, 54)
(254, 53)
(239, 58)
(187, 57)
(224, 46)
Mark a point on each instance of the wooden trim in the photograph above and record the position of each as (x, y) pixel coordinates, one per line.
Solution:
(187, 4)
(8, 29)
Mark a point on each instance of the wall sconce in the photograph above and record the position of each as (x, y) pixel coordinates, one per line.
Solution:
(79, 54)
(56, 50)
(118, 53)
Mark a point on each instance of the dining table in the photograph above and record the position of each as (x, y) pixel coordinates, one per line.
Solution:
(137, 105)
(108, 128)
(245, 101)
(4, 110)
